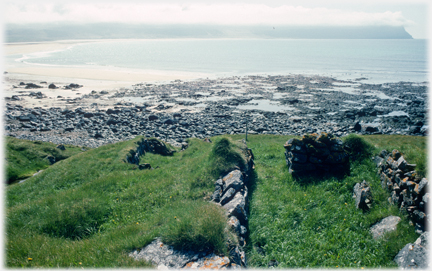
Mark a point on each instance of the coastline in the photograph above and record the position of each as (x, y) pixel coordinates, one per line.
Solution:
(95, 105)
(106, 76)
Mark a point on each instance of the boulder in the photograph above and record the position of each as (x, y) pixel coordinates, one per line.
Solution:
(412, 256)
(51, 159)
(386, 225)
(61, 147)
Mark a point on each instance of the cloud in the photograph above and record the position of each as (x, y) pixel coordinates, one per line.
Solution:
(195, 13)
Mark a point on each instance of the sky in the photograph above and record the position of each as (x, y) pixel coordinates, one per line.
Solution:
(412, 14)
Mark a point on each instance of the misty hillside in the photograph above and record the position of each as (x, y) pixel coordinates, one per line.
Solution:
(57, 31)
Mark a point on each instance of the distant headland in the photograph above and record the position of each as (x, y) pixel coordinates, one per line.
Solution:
(58, 31)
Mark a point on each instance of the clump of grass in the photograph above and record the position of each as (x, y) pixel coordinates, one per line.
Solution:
(76, 221)
(358, 149)
(197, 226)
(225, 156)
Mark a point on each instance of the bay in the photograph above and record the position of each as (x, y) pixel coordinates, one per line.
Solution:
(378, 60)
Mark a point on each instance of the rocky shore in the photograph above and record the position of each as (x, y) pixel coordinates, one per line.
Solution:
(177, 110)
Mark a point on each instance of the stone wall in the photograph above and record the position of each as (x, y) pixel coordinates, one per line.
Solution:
(231, 193)
(316, 152)
(406, 189)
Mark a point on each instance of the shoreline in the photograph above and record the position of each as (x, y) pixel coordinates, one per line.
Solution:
(176, 110)
(61, 74)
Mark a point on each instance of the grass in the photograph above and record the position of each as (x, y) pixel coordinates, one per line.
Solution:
(312, 224)
(92, 209)
(25, 157)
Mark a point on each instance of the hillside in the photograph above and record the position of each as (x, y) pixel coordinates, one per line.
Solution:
(68, 31)
(92, 209)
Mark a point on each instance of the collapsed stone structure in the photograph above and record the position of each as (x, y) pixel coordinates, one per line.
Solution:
(313, 152)
(147, 145)
(407, 190)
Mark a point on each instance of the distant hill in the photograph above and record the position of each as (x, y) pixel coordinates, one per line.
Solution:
(61, 31)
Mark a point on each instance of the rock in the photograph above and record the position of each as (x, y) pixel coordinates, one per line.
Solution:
(165, 256)
(234, 223)
(31, 85)
(144, 166)
(61, 147)
(234, 180)
(237, 207)
(363, 196)
(412, 256)
(52, 86)
(72, 86)
(385, 225)
(357, 127)
(51, 159)
(227, 196)
(152, 117)
(423, 240)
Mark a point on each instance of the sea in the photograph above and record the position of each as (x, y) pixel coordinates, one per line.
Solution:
(378, 60)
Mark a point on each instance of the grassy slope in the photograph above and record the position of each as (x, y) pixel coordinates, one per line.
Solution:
(113, 208)
(24, 157)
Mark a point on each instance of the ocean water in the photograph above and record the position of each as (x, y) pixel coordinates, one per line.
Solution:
(378, 60)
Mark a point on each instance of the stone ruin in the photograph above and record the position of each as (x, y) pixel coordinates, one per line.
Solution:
(147, 145)
(316, 152)
(231, 193)
(407, 190)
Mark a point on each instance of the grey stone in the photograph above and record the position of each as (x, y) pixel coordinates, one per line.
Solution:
(227, 196)
(165, 256)
(385, 225)
(237, 207)
(362, 195)
(234, 180)
(412, 256)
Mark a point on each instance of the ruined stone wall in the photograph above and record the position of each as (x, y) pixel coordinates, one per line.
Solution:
(315, 152)
(407, 190)
(231, 193)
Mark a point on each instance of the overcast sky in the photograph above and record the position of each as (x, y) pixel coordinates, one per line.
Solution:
(412, 14)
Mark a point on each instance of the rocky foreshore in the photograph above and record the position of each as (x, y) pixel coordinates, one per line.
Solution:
(175, 111)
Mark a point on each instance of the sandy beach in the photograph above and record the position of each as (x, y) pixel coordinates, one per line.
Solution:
(92, 78)
(114, 76)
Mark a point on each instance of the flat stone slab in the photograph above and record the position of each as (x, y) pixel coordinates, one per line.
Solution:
(166, 257)
(386, 225)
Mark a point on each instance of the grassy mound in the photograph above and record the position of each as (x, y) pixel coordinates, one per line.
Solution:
(25, 157)
(226, 155)
(91, 209)
(197, 226)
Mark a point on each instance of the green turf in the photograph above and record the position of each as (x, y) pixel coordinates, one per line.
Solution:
(92, 209)
(24, 157)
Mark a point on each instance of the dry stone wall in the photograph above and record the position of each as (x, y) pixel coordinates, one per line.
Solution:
(406, 189)
(231, 193)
